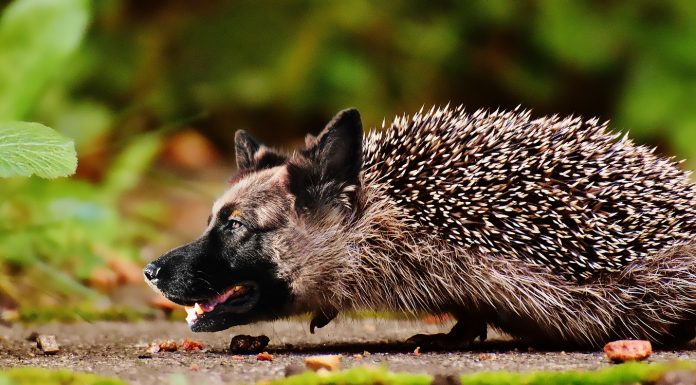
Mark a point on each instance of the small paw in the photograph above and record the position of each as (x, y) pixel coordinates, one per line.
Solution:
(461, 336)
(440, 341)
(321, 319)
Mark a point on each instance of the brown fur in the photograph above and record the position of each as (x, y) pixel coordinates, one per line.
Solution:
(368, 252)
(375, 263)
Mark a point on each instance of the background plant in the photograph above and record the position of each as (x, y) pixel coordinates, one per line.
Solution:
(151, 92)
(281, 68)
(53, 233)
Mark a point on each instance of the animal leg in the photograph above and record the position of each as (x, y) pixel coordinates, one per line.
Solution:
(321, 319)
(462, 335)
(679, 335)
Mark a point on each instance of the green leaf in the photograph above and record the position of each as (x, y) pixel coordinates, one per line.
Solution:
(131, 163)
(32, 148)
(36, 39)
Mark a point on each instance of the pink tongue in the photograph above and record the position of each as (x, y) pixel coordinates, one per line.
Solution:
(200, 308)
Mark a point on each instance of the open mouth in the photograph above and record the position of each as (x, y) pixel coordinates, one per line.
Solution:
(241, 298)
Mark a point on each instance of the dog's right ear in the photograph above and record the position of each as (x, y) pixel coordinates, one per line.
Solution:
(328, 170)
(251, 155)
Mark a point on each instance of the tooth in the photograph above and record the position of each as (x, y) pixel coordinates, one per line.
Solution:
(190, 314)
(197, 309)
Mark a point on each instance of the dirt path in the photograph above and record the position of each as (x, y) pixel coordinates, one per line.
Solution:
(116, 349)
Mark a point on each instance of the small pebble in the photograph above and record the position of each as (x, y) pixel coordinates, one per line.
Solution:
(244, 344)
(628, 350)
(47, 344)
(264, 357)
(168, 346)
(323, 362)
(191, 345)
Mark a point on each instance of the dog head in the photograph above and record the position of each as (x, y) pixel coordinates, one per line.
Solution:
(256, 260)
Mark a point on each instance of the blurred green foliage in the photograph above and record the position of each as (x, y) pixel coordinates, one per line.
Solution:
(118, 76)
(84, 314)
(36, 39)
(628, 373)
(283, 68)
(31, 51)
(35, 376)
(54, 233)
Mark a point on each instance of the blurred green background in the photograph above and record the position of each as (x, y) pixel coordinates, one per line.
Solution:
(153, 91)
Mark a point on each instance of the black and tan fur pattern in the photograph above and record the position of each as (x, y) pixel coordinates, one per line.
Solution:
(554, 230)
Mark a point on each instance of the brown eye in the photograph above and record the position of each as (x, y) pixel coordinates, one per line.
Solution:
(233, 224)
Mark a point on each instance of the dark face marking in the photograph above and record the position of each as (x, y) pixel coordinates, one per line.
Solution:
(233, 252)
(237, 271)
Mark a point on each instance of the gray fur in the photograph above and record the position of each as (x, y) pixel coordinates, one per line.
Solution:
(444, 221)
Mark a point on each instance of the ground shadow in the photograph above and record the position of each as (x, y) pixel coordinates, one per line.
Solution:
(491, 346)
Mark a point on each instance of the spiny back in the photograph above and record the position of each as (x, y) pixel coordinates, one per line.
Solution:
(562, 193)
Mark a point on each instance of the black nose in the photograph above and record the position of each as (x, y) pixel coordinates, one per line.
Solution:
(151, 271)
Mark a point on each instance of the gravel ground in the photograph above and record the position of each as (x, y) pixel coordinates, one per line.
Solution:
(117, 349)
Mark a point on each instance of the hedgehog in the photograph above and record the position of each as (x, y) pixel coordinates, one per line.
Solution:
(552, 230)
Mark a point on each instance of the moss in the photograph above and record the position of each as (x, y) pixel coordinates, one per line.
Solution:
(629, 373)
(355, 376)
(74, 314)
(35, 376)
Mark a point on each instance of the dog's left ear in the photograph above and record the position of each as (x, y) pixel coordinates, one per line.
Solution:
(338, 148)
(252, 155)
(245, 148)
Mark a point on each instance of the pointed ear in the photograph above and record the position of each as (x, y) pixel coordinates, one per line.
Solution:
(338, 148)
(245, 148)
(253, 155)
